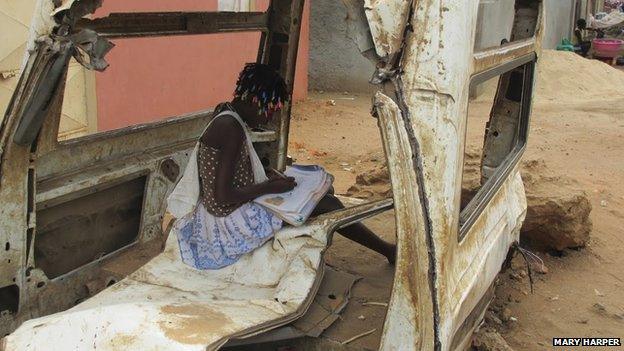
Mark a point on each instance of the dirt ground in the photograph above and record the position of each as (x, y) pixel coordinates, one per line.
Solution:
(577, 130)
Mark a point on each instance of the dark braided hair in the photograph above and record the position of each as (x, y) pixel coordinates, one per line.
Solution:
(262, 85)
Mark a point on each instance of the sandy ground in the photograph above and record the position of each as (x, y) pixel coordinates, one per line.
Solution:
(343, 138)
(577, 130)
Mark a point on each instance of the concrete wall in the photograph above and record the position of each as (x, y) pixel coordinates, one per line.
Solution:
(496, 16)
(559, 21)
(150, 79)
(335, 61)
(495, 21)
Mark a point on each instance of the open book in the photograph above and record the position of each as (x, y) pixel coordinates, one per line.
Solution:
(295, 206)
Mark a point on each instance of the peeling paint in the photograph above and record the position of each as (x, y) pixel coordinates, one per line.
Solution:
(192, 324)
(387, 21)
(436, 66)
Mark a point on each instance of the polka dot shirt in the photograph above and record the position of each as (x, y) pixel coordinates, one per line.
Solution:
(208, 163)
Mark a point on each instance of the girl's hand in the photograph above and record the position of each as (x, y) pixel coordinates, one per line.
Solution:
(280, 185)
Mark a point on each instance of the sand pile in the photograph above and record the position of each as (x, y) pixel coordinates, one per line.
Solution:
(557, 208)
(567, 77)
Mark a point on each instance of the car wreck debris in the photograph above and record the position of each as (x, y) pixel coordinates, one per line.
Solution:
(447, 257)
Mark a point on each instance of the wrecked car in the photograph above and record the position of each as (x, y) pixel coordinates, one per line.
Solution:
(85, 263)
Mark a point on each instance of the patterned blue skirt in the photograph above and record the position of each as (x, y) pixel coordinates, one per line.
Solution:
(210, 242)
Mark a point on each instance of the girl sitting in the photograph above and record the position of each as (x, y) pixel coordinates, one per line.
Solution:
(218, 222)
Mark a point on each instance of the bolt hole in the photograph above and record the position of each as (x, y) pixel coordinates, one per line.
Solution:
(495, 134)
(7, 246)
(40, 284)
(332, 296)
(111, 282)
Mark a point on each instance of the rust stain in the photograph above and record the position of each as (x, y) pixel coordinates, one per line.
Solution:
(124, 342)
(388, 36)
(493, 57)
(410, 276)
(193, 324)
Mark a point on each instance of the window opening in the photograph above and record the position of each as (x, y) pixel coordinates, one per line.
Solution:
(496, 133)
(9, 299)
(84, 229)
(504, 21)
(154, 79)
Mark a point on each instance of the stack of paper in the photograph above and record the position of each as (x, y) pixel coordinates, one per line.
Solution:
(295, 206)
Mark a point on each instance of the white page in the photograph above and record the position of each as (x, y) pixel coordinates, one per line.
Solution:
(312, 183)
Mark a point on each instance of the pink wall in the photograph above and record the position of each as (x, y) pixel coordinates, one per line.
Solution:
(150, 79)
(303, 54)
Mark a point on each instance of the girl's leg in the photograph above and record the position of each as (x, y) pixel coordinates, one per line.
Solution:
(357, 232)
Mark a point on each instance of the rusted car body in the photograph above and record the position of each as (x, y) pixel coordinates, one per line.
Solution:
(112, 185)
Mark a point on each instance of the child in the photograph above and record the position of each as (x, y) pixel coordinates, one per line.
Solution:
(218, 220)
(580, 33)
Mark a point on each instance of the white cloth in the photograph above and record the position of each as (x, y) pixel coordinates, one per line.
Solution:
(234, 5)
(185, 195)
(614, 18)
(211, 242)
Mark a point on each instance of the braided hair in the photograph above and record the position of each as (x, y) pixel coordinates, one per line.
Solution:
(261, 85)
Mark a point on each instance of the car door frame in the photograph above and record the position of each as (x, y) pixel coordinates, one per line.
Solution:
(38, 172)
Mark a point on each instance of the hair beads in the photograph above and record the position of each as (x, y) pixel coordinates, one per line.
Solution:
(263, 86)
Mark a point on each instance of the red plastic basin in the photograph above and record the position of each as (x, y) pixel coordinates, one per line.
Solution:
(607, 47)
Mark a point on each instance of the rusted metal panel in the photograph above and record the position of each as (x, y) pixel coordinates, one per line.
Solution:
(435, 95)
(16, 213)
(126, 25)
(115, 146)
(76, 9)
(437, 65)
(167, 304)
(410, 318)
(491, 58)
(439, 279)
(69, 171)
(56, 167)
(478, 258)
(39, 103)
(526, 38)
(286, 18)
